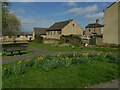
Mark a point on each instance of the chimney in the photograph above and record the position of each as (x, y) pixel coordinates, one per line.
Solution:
(70, 20)
(97, 21)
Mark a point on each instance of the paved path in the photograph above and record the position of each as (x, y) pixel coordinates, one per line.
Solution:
(110, 84)
(37, 52)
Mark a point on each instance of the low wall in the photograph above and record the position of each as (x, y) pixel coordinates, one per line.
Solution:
(50, 41)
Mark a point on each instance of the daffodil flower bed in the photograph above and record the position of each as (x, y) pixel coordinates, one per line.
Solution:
(48, 62)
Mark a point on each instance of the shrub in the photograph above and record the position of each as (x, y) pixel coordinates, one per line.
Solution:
(22, 69)
(7, 71)
(71, 39)
(113, 58)
(30, 63)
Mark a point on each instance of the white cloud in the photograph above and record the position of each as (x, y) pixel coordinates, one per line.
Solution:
(94, 16)
(82, 10)
(28, 23)
(21, 10)
(71, 3)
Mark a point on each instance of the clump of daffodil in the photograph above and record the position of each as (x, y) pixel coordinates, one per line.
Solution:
(85, 54)
(105, 55)
(67, 58)
(101, 52)
(74, 53)
(110, 52)
(19, 62)
(40, 58)
(59, 54)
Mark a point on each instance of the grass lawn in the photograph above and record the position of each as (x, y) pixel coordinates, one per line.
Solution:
(94, 70)
(53, 47)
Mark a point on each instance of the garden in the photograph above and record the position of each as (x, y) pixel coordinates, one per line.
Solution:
(61, 71)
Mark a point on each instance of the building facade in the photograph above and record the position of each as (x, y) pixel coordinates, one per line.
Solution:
(112, 24)
(94, 33)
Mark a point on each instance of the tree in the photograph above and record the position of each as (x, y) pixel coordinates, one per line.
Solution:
(10, 23)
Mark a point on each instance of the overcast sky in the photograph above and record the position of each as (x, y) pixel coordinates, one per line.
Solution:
(44, 14)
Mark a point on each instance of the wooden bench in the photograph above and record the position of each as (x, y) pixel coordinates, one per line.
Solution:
(14, 49)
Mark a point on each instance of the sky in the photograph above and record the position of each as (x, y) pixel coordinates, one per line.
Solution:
(45, 14)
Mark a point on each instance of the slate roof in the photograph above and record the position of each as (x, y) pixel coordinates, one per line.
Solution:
(94, 25)
(59, 25)
(40, 31)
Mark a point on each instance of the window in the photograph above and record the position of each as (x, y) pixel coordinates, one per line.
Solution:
(89, 30)
(59, 32)
(73, 25)
(18, 36)
(9, 36)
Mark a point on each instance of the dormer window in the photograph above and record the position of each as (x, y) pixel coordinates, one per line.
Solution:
(73, 25)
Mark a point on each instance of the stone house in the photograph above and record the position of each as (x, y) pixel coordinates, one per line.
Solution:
(111, 31)
(39, 31)
(68, 27)
(94, 33)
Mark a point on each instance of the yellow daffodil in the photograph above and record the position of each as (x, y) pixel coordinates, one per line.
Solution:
(19, 62)
(40, 58)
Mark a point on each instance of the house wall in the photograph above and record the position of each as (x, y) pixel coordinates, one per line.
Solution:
(20, 38)
(99, 41)
(24, 38)
(98, 31)
(72, 28)
(53, 34)
(50, 41)
(7, 38)
(33, 35)
(111, 32)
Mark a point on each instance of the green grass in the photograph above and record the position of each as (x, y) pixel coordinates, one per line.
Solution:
(95, 70)
(53, 47)
(74, 76)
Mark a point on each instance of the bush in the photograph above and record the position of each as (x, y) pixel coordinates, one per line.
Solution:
(71, 39)
(113, 58)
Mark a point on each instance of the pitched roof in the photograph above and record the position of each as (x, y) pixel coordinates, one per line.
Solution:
(94, 25)
(59, 25)
(22, 33)
(40, 31)
(110, 6)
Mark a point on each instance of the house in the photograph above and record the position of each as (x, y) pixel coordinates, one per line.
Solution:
(20, 36)
(111, 31)
(68, 27)
(39, 31)
(94, 32)
(23, 36)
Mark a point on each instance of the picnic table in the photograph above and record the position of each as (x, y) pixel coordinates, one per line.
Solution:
(14, 48)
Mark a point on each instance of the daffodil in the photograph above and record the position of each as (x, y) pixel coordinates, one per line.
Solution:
(19, 62)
